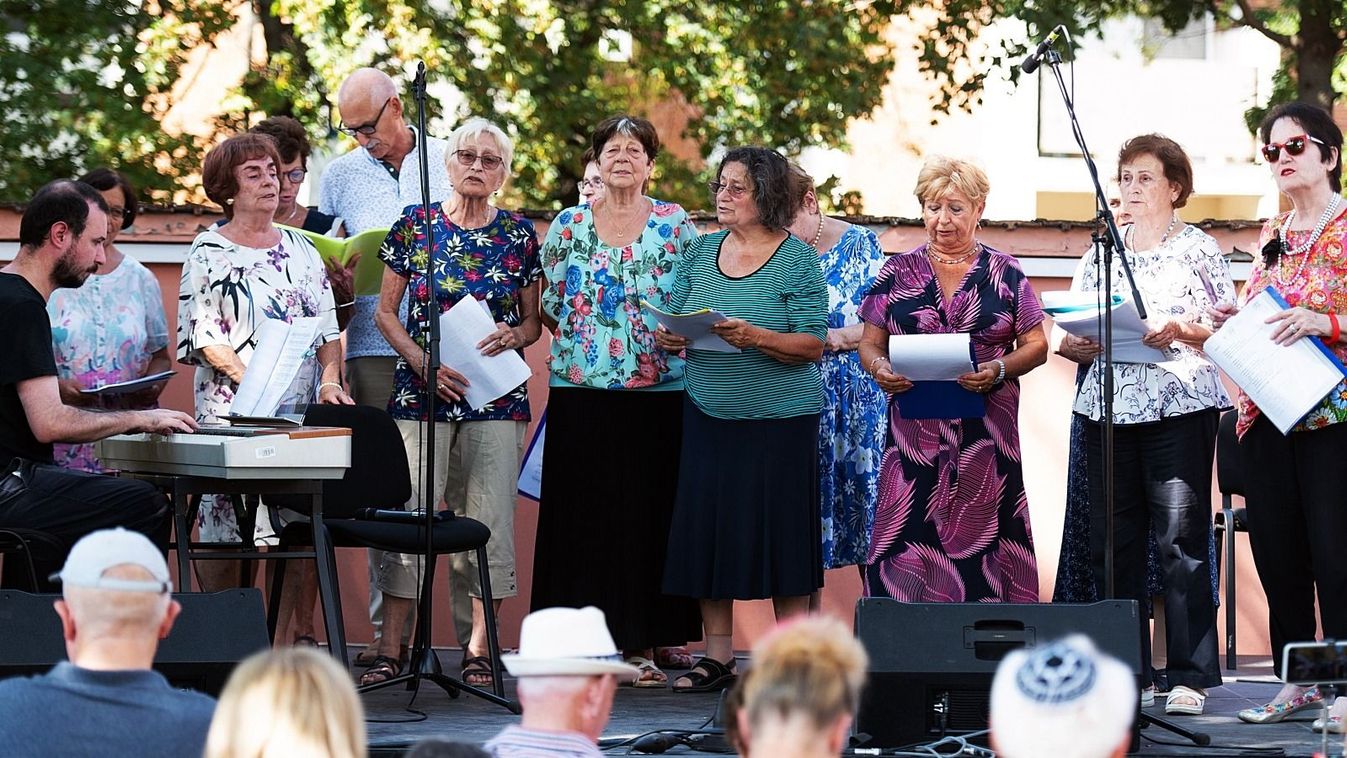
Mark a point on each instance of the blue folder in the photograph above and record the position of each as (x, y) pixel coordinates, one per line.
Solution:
(941, 400)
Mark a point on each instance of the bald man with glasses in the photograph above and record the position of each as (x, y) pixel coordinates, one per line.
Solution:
(369, 187)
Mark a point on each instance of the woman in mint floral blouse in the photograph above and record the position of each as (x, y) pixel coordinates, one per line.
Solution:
(614, 418)
(491, 255)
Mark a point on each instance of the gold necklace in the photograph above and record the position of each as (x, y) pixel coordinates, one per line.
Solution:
(818, 235)
(953, 261)
(638, 217)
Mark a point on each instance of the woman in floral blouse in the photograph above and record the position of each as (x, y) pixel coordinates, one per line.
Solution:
(1165, 415)
(491, 255)
(614, 418)
(1295, 481)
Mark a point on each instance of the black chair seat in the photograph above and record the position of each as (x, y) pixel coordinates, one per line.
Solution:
(454, 535)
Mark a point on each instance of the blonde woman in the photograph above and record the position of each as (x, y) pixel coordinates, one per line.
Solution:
(288, 703)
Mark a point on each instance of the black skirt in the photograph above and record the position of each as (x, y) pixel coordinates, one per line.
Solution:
(610, 467)
(746, 520)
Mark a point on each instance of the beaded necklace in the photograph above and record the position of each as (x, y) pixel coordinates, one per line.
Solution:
(1301, 250)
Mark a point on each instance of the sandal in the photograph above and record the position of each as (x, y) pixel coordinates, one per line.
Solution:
(650, 675)
(708, 675)
(383, 669)
(479, 668)
(1334, 725)
(1185, 701)
(673, 657)
(1274, 712)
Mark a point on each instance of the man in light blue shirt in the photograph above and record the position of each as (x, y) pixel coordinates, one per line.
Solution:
(369, 187)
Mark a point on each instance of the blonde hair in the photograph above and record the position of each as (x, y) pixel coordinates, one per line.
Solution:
(811, 667)
(294, 702)
(941, 175)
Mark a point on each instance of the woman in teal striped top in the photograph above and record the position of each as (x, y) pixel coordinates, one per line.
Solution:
(746, 515)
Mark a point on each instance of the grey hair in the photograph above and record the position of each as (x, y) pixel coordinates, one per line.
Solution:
(476, 127)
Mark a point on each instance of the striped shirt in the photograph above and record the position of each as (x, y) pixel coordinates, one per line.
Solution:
(518, 742)
(787, 294)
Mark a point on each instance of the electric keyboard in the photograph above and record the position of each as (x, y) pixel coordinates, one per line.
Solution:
(280, 453)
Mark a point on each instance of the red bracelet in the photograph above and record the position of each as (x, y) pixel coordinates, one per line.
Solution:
(1337, 328)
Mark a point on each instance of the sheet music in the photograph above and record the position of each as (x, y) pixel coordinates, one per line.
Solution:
(931, 357)
(1286, 381)
(1079, 313)
(489, 377)
(275, 362)
(696, 326)
(130, 385)
(530, 483)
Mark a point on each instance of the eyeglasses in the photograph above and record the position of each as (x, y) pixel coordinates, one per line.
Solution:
(596, 183)
(295, 175)
(117, 210)
(734, 190)
(1272, 151)
(468, 157)
(365, 129)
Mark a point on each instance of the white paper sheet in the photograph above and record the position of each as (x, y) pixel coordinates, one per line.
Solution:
(1078, 313)
(1286, 381)
(530, 483)
(275, 362)
(930, 357)
(696, 326)
(489, 377)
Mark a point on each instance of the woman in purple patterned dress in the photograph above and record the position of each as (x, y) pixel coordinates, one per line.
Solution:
(951, 518)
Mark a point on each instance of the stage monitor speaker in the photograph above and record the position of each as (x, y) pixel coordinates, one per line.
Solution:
(212, 634)
(931, 664)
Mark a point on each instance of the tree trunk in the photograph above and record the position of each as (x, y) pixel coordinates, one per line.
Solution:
(1317, 52)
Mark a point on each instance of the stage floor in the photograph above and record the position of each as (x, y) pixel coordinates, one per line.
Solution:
(636, 712)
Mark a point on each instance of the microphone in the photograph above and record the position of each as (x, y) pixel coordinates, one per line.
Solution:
(658, 742)
(399, 517)
(1030, 64)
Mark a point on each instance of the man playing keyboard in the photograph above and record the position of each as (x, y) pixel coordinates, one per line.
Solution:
(61, 238)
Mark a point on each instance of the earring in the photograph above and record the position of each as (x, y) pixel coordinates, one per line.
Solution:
(229, 201)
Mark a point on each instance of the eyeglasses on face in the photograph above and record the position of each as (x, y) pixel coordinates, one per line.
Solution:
(1272, 151)
(596, 183)
(468, 157)
(295, 175)
(365, 129)
(734, 190)
(117, 210)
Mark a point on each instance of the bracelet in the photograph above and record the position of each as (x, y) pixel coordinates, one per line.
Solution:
(330, 384)
(1001, 375)
(877, 359)
(1337, 328)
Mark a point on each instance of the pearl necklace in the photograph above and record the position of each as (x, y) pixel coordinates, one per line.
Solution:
(818, 235)
(1173, 220)
(1303, 249)
(954, 261)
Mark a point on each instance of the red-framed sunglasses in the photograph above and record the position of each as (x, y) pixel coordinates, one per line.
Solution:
(1272, 151)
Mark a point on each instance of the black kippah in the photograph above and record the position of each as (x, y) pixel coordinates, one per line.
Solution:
(1056, 674)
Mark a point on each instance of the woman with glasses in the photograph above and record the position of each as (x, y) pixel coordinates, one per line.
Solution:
(746, 521)
(491, 255)
(1165, 416)
(951, 520)
(292, 143)
(1295, 481)
(614, 409)
(110, 330)
(591, 184)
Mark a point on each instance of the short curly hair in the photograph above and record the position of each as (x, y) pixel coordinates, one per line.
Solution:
(940, 175)
(292, 142)
(770, 173)
(217, 173)
(1178, 169)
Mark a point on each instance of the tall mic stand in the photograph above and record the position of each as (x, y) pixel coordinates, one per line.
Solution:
(1107, 243)
(422, 661)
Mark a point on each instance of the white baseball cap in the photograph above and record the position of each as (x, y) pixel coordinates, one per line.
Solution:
(567, 642)
(99, 551)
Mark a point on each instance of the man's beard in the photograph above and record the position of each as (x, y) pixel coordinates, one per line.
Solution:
(67, 274)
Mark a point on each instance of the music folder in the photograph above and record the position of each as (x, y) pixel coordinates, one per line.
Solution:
(940, 400)
(933, 363)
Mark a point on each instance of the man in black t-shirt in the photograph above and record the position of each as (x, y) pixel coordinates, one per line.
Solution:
(61, 240)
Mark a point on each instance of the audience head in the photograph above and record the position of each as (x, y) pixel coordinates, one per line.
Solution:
(116, 593)
(69, 218)
(118, 193)
(371, 111)
(1065, 700)
(1154, 173)
(292, 146)
(753, 186)
(953, 195)
(625, 147)
(804, 689)
(438, 748)
(478, 157)
(568, 668)
(1316, 124)
(240, 174)
(1113, 196)
(591, 184)
(293, 703)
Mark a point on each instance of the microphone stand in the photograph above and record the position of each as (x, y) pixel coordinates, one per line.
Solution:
(422, 661)
(1108, 242)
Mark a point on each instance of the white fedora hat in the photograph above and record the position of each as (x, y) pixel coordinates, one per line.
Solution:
(567, 642)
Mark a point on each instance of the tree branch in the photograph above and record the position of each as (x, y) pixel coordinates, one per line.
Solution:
(1250, 20)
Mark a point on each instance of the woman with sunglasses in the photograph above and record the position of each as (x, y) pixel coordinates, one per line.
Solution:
(1165, 416)
(614, 408)
(489, 254)
(1297, 523)
(746, 521)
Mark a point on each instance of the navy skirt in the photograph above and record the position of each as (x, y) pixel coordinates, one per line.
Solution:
(746, 517)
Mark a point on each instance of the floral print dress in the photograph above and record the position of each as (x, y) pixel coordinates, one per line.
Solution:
(951, 517)
(104, 332)
(851, 427)
(227, 291)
